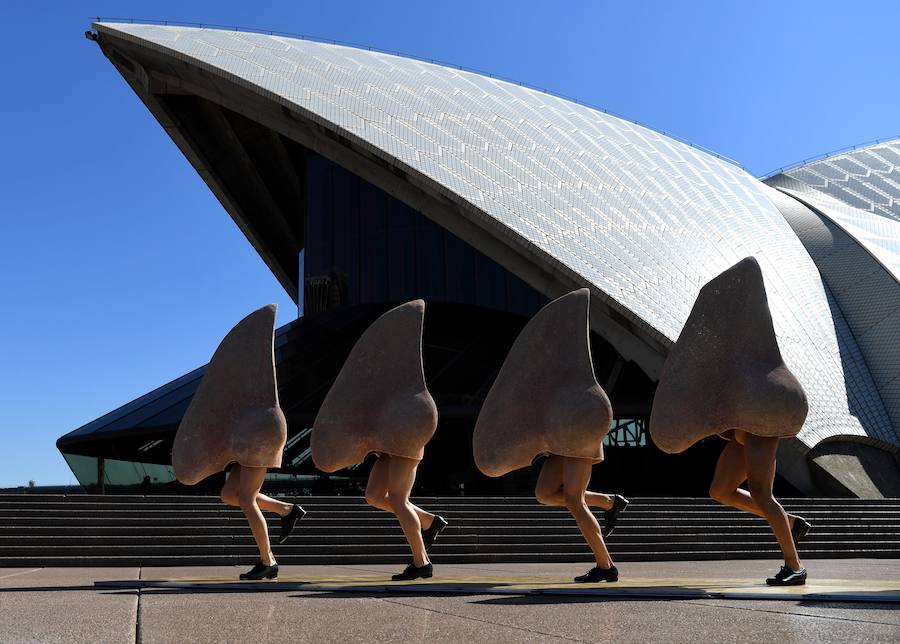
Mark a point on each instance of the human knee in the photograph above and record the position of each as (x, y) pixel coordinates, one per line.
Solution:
(377, 499)
(574, 500)
(761, 494)
(397, 504)
(543, 497)
(229, 497)
(247, 500)
(720, 493)
(547, 494)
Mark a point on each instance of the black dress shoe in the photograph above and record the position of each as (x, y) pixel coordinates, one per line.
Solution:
(611, 516)
(437, 526)
(597, 574)
(788, 577)
(289, 520)
(261, 571)
(800, 528)
(414, 572)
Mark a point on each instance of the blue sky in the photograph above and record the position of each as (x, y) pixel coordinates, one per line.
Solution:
(119, 270)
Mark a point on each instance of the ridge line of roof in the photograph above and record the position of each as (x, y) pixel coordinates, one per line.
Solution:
(432, 61)
(828, 155)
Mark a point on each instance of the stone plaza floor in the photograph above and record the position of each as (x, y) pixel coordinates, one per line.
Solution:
(66, 605)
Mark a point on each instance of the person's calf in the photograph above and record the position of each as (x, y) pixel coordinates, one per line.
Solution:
(597, 500)
(426, 519)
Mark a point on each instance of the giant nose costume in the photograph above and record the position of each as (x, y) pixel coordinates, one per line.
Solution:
(725, 371)
(546, 399)
(379, 402)
(234, 416)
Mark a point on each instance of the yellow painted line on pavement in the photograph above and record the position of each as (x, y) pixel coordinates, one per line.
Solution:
(858, 590)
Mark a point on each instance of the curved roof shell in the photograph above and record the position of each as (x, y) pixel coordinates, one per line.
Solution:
(867, 178)
(859, 191)
(850, 225)
(559, 193)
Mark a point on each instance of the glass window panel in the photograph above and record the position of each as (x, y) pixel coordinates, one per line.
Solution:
(318, 226)
(521, 298)
(401, 252)
(373, 247)
(84, 468)
(490, 283)
(345, 203)
(460, 270)
(429, 259)
(142, 476)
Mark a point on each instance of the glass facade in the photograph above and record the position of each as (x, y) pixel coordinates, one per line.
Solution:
(364, 246)
(627, 432)
(121, 476)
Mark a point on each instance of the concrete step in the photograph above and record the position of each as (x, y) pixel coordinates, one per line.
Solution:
(315, 501)
(151, 530)
(849, 532)
(394, 535)
(511, 522)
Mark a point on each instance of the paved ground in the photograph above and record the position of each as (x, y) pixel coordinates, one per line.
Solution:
(62, 605)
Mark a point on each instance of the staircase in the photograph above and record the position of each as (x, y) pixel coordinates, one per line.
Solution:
(87, 530)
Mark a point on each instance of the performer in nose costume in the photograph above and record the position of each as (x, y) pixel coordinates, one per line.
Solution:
(234, 423)
(725, 375)
(379, 404)
(546, 401)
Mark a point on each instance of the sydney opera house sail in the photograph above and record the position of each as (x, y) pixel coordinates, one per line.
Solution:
(847, 214)
(553, 194)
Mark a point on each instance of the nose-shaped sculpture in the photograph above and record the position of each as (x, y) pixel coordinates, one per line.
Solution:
(234, 416)
(725, 371)
(545, 399)
(379, 401)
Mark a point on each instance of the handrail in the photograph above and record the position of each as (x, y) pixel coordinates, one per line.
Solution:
(331, 41)
(833, 153)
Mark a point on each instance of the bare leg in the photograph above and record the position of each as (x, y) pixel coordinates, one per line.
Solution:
(251, 480)
(378, 494)
(401, 476)
(549, 487)
(731, 471)
(230, 490)
(598, 500)
(231, 495)
(576, 474)
(759, 453)
(269, 504)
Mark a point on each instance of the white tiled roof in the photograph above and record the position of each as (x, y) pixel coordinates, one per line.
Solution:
(858, 192)
(642, 219)
(867, 178)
